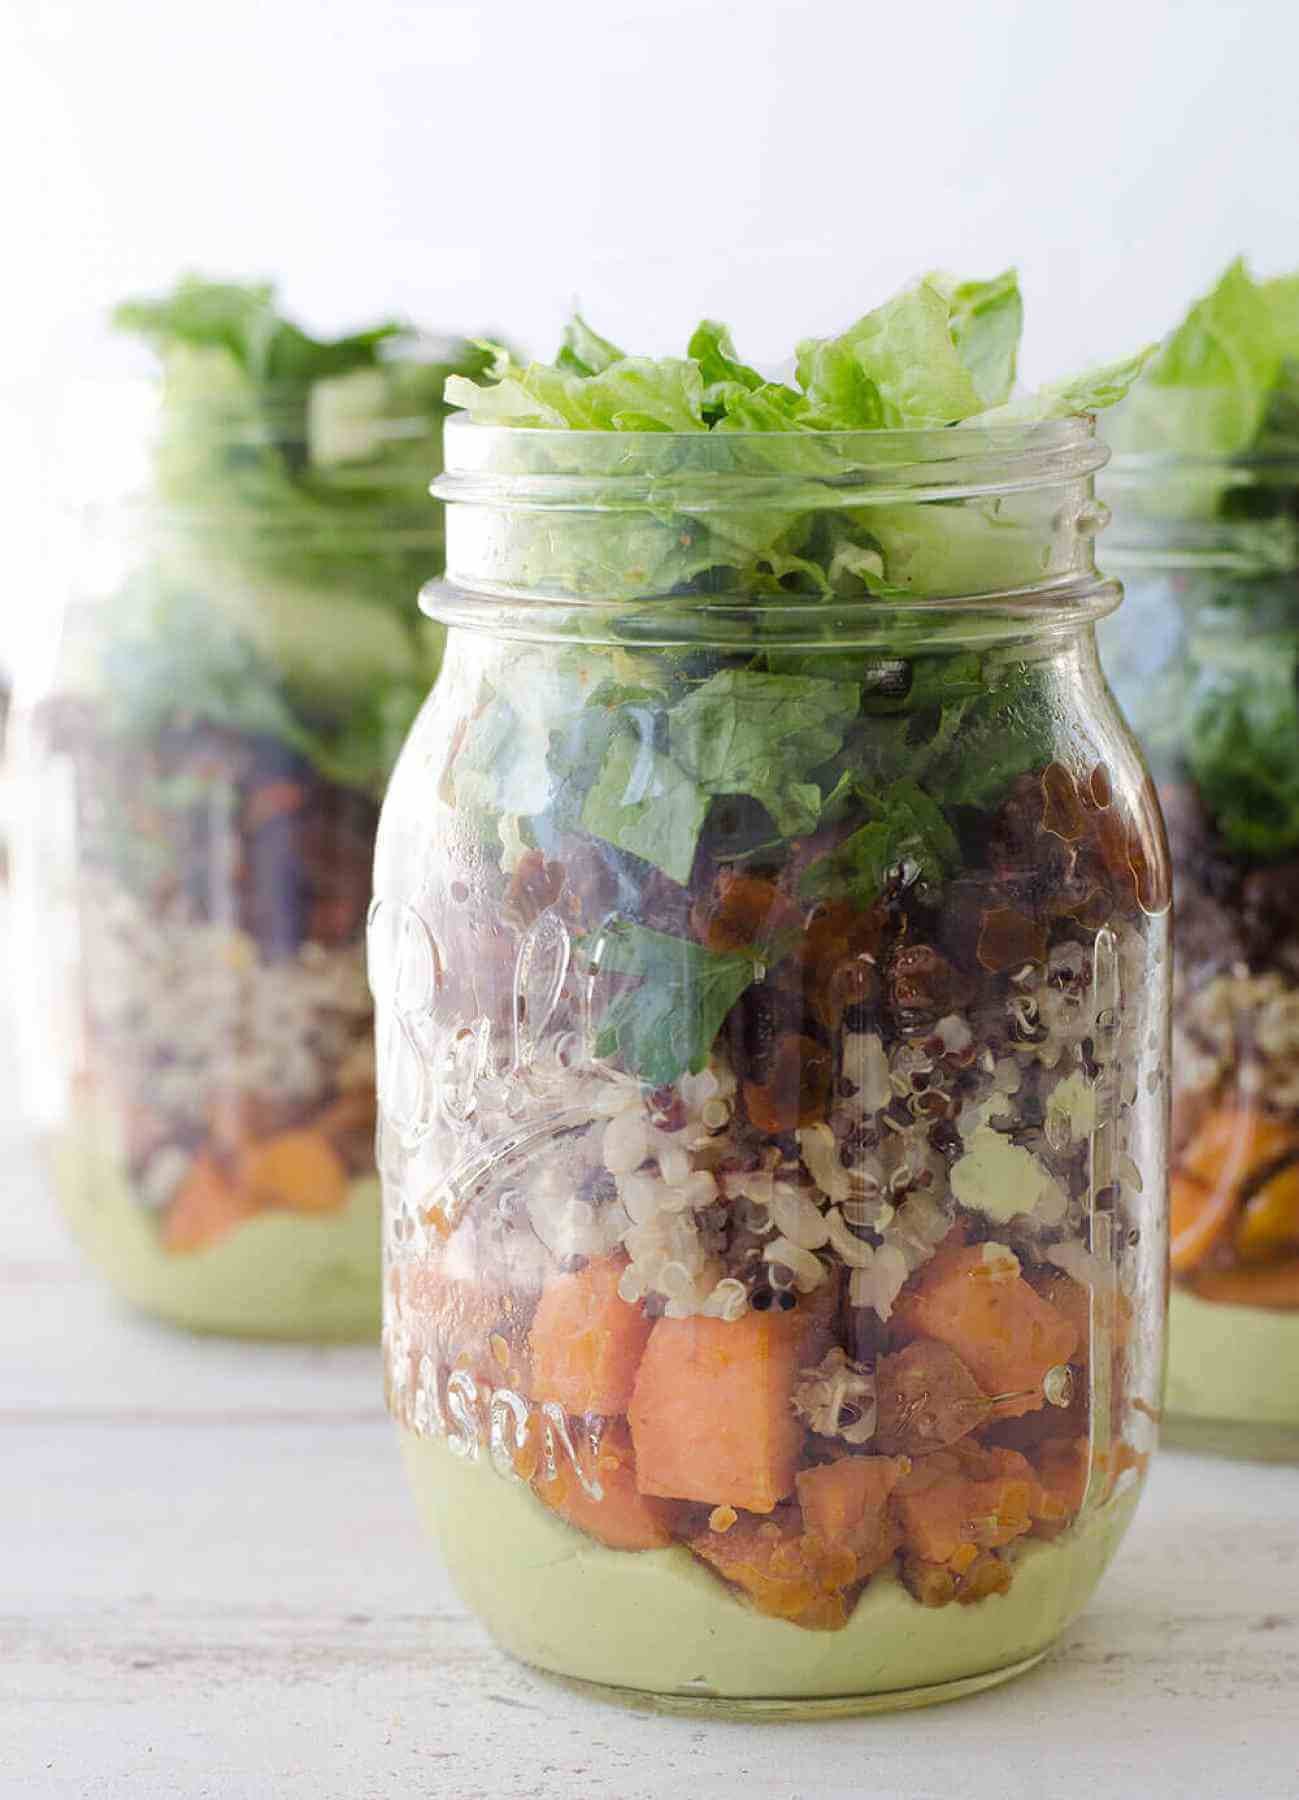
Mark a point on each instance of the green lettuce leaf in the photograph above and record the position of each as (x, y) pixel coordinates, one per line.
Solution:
(584, 351)
(742, 732)
(905, 826)
(1091, 391)
(1281, 297)
(646, 803)
(727, 381)
(269, 349)
(298, 519)
(1205, 392)
(665, 1025)
(1241, 737)
(631, 393)
(905, 351)
(986, 321)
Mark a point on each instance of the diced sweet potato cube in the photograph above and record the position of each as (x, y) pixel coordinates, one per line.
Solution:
(1269, 1225)
(845, 1505)
(1007, 1336)
(927, 1399)
(1233, 1143)
(1233, 1146)
(966, 1580)
(623, 1517)
(296, 1170)
(987, 1574)
(1072, 1299)
(782, 1572)
(459, 1322)
(1063, 1466)
(948, 1504)
(205, 1209)
(587, 1341)
(710, 1414)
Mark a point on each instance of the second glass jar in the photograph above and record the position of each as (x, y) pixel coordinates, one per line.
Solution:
(769, 954)
(1205, 660)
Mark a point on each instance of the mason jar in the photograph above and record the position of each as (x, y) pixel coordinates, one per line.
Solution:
(770, 964)
(1205, 661)
(201, 746)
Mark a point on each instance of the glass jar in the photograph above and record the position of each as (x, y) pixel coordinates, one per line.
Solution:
(769, 951)
(1205, 661)
(203, 741)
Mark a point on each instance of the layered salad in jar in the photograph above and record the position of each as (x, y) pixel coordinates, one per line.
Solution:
(232, 690)
(771, 1056)
(1205, 492)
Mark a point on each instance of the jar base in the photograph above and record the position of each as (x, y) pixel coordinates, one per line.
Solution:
(298, 1278)
(776, 1711)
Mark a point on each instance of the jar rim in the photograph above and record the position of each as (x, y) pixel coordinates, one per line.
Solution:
(1047, 614)
(949, 460)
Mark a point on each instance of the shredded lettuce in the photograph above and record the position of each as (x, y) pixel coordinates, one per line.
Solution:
(666, 1022)
(1213, 386)
(291, 528)
(987, 318)
(941, 352)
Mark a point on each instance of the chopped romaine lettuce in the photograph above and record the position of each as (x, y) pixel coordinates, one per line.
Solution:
(987, 318)
(905, 828)
(293, 528)
(1212, 386)
(941, 352)
(754, 494)
(666, 1023)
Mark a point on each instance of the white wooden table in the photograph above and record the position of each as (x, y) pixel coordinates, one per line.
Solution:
(212, 1584)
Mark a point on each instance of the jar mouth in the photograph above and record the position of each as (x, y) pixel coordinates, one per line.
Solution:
(522, 466)
(810, 533)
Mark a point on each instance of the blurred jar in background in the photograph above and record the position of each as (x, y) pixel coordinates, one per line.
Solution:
(202, 754)
(1205, 661)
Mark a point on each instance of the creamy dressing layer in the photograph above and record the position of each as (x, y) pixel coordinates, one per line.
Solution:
(1238, 1364)
(280, 1274)
(659, 1621)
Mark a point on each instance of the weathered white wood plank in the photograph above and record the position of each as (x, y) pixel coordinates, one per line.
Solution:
(235, 1610)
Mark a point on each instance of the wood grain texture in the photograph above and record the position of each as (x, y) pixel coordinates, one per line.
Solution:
(212, 1585)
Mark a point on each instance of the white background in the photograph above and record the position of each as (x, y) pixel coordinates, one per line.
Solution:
(782, 166)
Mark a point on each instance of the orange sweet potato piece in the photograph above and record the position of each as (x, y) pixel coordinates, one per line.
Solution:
(710, 1413)
(1276, 1286)
(950, 1504)
(623, 1517)
(845, 1506)
(781, 1571)
(298, 1171)
(1005, 1334)
(1063, 1466)
(1269, 1225)
(971, 1577)
(462, 1323)
(205, 1208)
(587, 1341)
(1072, 1299)
(1231, 1147)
